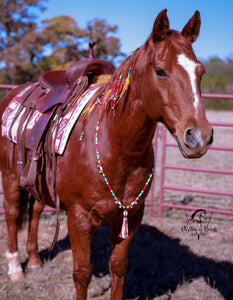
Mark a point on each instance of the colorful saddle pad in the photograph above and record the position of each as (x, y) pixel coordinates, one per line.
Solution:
(65, 124)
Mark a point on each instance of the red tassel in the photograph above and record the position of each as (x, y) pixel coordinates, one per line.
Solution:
(124, 234)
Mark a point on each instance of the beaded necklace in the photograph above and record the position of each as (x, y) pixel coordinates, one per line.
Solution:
(124, 234)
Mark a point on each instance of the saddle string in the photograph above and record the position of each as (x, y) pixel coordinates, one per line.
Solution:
(19, 162)
(21, 139)
(53, 185)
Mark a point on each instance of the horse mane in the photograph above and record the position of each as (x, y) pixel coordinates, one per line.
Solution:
(120, 73)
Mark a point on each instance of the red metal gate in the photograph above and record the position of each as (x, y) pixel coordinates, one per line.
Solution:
(158, 202)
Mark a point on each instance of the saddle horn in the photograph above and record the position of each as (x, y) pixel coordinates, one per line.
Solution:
(91, 49)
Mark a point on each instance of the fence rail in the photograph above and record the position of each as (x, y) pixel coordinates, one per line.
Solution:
(7, 86)
(151, 199)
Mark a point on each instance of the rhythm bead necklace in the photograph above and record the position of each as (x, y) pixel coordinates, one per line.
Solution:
(124, 234)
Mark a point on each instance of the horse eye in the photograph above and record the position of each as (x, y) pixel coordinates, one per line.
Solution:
(160, 72)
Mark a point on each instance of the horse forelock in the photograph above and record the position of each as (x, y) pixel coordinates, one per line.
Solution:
(171, 44)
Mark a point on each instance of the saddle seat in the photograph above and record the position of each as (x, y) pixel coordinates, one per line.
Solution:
(58, 84)
(88, 67)
(53, 88)
(53, 79)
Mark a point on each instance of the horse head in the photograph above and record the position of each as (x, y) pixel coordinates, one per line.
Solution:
(171, 91)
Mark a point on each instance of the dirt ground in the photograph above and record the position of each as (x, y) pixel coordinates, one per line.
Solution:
(167, 260)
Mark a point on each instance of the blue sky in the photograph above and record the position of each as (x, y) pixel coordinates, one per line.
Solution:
(135, 20)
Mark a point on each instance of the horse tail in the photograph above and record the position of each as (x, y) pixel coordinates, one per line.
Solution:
(23, 208)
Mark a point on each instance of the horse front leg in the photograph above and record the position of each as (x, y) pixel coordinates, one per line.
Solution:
(35, 211)
(13, 216)
(119, 259)
(80, 230)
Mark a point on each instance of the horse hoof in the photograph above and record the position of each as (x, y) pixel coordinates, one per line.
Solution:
(16, 276)
(33, 268)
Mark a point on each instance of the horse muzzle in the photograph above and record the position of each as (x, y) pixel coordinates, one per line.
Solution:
(194, 143)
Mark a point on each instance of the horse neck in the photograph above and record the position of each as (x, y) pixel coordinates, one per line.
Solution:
(130, 128)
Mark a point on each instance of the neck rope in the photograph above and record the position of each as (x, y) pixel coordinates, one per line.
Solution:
(124, 234)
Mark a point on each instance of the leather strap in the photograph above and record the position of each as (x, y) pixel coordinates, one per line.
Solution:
(29, 174)
(21, 139)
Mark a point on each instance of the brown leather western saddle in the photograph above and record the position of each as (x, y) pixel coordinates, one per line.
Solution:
(53, 95)
(55, 92)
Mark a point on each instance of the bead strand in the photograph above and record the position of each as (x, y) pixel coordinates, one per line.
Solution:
(117, 201)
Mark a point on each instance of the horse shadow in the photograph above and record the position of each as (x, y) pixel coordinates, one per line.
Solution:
(157, 264)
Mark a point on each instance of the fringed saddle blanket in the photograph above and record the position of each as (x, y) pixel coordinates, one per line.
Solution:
(65, 124)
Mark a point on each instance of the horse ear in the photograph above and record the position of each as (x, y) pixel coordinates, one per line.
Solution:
(192, 28)
(161, 26)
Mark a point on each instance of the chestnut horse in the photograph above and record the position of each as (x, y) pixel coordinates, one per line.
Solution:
(106, 175)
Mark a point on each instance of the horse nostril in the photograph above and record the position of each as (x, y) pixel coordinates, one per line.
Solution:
(190, 138)
(211, 138)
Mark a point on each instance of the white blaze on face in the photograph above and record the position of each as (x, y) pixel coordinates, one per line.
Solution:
(190, 67)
